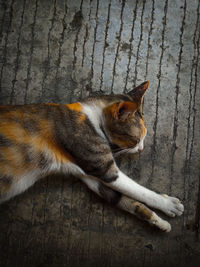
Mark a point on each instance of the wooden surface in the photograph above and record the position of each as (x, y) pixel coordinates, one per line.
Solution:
(62, 51)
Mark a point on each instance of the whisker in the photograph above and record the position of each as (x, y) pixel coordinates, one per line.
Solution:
(119, 149)
(122, 151)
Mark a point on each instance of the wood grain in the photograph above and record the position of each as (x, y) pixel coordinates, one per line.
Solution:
(62, 51)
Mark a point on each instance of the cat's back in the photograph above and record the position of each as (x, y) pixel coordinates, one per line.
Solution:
(44, 123)
(46, 137)
(37, 136)
(22, 111)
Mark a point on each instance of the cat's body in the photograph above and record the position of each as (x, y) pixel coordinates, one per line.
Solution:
(81, 139)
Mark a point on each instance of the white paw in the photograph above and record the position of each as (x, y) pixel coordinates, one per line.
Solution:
(165, 226)
(172, 206)
(160, 223)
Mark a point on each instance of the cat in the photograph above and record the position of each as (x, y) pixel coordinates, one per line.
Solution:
(81, 139)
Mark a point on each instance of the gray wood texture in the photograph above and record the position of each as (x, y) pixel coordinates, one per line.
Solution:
(61, 51)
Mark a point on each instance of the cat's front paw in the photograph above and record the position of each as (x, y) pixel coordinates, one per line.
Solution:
(172, 206)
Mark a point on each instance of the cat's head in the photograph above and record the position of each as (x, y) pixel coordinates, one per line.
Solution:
(124, 121)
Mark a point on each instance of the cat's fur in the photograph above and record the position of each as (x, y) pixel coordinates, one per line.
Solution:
(82, 139)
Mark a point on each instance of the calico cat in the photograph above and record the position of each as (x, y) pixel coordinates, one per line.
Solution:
(82, 139)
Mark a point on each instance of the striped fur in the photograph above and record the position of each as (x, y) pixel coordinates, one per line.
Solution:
(81, 138)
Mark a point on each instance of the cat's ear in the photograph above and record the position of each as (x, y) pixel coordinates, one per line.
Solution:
(138, 92)
(124, 109)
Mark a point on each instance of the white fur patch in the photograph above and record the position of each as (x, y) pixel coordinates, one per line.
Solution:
(139, 146)
(130, 188)
(94, 114)
(22, 184)
(28, 179)
(170, 205)
(91, 183)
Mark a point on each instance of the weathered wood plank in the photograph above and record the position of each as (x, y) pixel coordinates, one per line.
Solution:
(63, 51)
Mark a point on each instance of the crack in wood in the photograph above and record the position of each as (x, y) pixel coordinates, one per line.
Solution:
(105, 44)
(17, 61)
(118, 44)
(175, 121)
(153, 149)
(61, 42)
(47, 65)
(139, 44)
(31, 53)
(94, 43)
(131, 46)
(6, 44)
(76, 38)
(149, 38)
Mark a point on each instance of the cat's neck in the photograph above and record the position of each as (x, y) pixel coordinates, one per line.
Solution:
(94, 112)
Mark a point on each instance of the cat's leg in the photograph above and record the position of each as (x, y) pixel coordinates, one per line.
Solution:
(143, 212)
(108, 172)
(125, 203)
(169, 205)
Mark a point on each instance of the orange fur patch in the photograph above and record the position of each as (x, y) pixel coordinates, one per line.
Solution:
(14, 132)
(52, 104)
(77, 107)
(38, 141)
(143, 127)
(146, 85)
(143, 212)
(61, 156)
